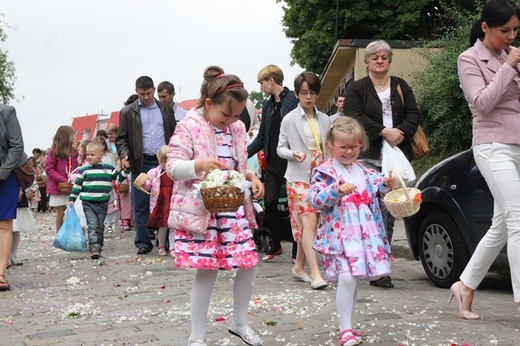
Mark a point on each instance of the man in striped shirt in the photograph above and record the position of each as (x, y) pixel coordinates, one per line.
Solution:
(93, 186)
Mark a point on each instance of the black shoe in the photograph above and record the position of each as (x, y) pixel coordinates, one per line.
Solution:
(143, 251)
(384, 282)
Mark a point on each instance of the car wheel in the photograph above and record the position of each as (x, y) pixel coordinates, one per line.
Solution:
(442, 249)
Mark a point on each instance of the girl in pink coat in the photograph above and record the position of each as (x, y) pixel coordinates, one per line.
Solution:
(208, 138)
(160, 185)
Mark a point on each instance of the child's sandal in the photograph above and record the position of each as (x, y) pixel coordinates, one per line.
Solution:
(172, 253)
(162, 251)
(349, 337)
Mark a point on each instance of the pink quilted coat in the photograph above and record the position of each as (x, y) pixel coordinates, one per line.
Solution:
(153, 184)
(194, 139)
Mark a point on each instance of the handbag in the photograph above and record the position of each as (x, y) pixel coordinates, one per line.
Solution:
(24, 175)
(70, 236)
(419, 144)
(419, 141)
(65, 187)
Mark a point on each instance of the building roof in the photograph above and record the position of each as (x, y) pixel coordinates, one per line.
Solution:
(114, 118)
(188, 104)
(85, 126)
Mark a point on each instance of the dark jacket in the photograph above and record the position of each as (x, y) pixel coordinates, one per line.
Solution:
(129, 141)
(261, 141)
(363, 104)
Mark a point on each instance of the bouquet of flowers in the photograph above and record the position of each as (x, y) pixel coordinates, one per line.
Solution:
(223, 191)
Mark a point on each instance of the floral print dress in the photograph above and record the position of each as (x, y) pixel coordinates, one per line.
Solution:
(228, 243)
(364, 249)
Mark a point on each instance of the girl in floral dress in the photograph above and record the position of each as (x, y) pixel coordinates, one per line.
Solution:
(208, 138)
(351, 236)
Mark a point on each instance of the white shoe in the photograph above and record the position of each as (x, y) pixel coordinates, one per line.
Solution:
(196, 342)
(15, 261)
(248, 335)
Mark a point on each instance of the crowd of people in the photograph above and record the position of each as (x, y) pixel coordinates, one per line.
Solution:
(145, 173)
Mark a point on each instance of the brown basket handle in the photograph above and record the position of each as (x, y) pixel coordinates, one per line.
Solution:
(401, 181)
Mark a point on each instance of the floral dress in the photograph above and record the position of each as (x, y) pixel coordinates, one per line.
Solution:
(228, 243)
(365, 251)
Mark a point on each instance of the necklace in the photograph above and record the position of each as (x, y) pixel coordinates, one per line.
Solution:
(381, 86)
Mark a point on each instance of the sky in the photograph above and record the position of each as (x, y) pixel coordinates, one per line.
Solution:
(74, 58)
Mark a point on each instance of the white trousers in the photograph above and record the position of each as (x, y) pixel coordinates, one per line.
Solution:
(500, 167)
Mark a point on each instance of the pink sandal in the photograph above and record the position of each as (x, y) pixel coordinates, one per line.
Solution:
(349, 337)
(172, 253)
(162, 251)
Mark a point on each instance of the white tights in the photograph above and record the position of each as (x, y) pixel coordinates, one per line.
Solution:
(161, 236)
(346, 297)
(201, 296)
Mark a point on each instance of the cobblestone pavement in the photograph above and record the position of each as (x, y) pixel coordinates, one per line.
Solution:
(65, 298)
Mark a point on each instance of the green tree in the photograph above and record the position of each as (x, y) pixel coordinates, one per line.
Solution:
(312, 27)
(258, 98)
(7, 71)
(445, 113)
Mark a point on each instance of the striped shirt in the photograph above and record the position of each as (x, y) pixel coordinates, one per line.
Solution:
(94, 182)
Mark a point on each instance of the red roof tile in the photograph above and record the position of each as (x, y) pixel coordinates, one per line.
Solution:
(85, 126)
(114, 118)
(188, 104)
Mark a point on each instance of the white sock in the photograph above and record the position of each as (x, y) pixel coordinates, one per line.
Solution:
(346, 296)
(242, 291)
(200, 297)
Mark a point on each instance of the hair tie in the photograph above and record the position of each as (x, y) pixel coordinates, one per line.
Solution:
(221, 75)
(231, 86)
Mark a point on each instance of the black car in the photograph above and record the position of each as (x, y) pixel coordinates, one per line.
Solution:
(455, 214)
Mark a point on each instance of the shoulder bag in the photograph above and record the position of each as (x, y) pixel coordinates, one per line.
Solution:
(24, 175)
(419, 140)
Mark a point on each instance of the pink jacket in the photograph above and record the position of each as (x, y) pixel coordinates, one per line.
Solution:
(153, 184)
(194, 139)
(492, 90)
(58, 171)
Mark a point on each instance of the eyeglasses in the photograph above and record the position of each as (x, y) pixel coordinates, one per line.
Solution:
(344, 147)
(307, 93)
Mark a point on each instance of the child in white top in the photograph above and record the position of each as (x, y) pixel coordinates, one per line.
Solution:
(349, 198)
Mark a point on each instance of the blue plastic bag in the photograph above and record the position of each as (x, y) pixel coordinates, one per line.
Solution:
(70, 237)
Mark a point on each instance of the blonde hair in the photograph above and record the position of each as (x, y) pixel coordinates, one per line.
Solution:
(163, 152)
(96, 145)
(347, 125)
(271, 71)
(111, 127)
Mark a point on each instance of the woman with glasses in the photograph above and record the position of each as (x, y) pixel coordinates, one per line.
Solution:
(386, 107)
(301, 143)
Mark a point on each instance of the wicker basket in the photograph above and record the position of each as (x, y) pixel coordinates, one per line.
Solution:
(139, 182)
(222, 198)
(123, 188)
(400, 203)
(65, 187)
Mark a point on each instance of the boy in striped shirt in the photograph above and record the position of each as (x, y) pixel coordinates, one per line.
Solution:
(93, 186)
